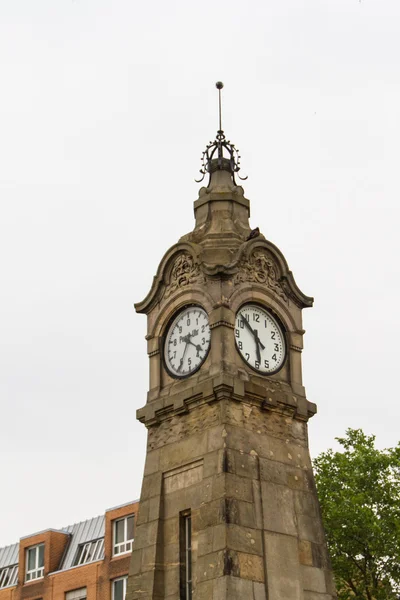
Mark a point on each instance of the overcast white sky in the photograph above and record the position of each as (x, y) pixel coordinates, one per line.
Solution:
(105, 108)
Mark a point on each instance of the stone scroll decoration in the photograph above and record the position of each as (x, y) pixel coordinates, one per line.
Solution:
(260, 267)
(184, 272)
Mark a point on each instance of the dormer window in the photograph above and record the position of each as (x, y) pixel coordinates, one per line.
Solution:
(123, 535)
(90, 552)
(9, 576)
(34, 562)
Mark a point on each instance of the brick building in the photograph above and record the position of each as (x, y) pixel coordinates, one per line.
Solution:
(85, 561)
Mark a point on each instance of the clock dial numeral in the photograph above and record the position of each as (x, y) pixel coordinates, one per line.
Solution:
(190, 336)
(260, 339)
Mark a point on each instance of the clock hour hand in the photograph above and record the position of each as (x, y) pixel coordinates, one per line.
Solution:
(254, 334)
(189, 341)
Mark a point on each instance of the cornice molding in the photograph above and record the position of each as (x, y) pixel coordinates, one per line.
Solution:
(271, 397)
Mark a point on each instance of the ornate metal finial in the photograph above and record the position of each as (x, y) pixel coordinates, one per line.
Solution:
(213, 158)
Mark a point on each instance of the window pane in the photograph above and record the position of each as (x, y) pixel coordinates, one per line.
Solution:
(31, 559)
(41, 556)
(119, 589)
(119, 531)
(130, 528)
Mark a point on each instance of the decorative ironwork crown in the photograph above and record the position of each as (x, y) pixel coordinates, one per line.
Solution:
(220, 154)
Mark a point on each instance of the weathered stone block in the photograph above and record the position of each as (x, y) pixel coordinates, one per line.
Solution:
(154, 507)
(246, 514)
(320, 556)
(212, 513)
(219, 537)
(220, 588)
(310, 529)
(171, 554)
(219, 486)
(305, 504)
(244, 539)
(182, 452)
(305, 553)
(273, 471)
(239, 588)
(143, 515)
(205, 541)
(148, 558)
(288, 453)
(216, 438)
(330, 582)
(239, 487)
(136, 563)
(278, 508)
(313, 579)
(183, 477)
(151, 486)
(141, 586)
(152, 462)
(171, 579)
(203, 590)
(316, 596)
(171, 529)
(213, 463)
(243, 464)
(191, 497)
(210, 566)
(283, 577)
(146, 535)
(251, 566)
(259, 591)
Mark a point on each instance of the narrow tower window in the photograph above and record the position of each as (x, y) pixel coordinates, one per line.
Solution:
(186, 554)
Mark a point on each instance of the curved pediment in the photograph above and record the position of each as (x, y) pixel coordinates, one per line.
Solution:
(179, 267)
(260, 261)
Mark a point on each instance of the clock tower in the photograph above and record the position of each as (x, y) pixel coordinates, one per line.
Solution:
(228, 507)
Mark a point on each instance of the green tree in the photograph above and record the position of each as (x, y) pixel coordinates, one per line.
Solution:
(359, 492)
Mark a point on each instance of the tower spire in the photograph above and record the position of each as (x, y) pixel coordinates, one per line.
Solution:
(220, 154)
(219, 85)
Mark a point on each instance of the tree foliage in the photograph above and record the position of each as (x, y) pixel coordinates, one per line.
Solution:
(359, 492)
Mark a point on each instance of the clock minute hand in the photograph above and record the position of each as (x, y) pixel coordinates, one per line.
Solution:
(258, 344)
(253, 332)
(187, 340)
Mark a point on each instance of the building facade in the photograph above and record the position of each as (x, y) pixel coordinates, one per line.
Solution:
(85, 561)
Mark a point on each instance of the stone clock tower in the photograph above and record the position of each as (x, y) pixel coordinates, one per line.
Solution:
(228, 508)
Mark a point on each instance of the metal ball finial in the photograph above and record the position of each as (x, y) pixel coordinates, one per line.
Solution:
(219, 85)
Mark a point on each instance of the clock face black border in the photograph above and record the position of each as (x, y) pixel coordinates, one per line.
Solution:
(281, 327)
(164, 339)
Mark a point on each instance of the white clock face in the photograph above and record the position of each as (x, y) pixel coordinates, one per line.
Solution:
(259, 339)
(187, 341)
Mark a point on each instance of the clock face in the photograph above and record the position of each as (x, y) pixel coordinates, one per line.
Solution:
(259, 339)
(187, 342)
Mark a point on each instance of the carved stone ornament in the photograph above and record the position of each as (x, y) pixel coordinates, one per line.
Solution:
(184, 272)
(260, 268)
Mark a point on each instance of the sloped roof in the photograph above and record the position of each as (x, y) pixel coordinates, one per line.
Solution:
(79, 533)
(9, 555)
(85, 531)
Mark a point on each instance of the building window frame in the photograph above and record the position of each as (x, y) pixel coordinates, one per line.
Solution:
(76, 594)
(124, 546)
(124, 579)
(89, 552)
(8, 576)
(37, 570)
(185, 550)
